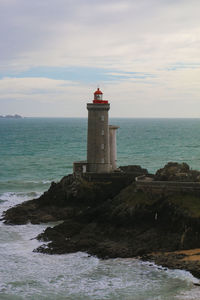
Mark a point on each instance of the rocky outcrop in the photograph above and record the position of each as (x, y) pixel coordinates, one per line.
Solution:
(177, 172)
(66, 199)
(113, 218)
(131, 224)
(134, 169)
(185, 259)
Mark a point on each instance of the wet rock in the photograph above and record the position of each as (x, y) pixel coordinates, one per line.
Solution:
(174, 261)
(69, 197)
(115, 219)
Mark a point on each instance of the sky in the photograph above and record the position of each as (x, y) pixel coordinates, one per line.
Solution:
(144, 55)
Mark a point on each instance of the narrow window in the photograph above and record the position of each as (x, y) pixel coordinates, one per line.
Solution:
(102, 132)
(102, 160)
(102, 146)
(102, 118)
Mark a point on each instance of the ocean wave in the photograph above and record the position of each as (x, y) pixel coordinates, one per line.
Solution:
(193, 294)
(1, 201)
(27, 181)
(46, 181)
(10, 199)
(16, 196)
(24, 185)
(174, 273)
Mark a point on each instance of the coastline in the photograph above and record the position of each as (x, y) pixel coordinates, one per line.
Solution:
(188, 260)
(114, 218)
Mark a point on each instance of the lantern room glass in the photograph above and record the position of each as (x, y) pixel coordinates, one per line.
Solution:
(98, 97)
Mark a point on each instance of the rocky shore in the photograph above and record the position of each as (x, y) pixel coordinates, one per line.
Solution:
(116, 219)
(183, 259)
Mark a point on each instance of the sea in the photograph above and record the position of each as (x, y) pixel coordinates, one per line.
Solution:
(36, 151)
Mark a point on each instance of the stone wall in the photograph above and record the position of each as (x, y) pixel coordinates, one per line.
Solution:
(107, 177)
(148, 184)
(79, 167)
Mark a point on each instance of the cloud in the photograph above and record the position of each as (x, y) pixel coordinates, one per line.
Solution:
(171, 94)
(43, 97)
(146, 51)
(29, 87)
(102, 33)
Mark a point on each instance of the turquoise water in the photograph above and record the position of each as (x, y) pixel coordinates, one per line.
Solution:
(35, 151)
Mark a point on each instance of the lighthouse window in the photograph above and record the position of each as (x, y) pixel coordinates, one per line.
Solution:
(102, 160)
(102, 118)
(102, 132)
(102, 146)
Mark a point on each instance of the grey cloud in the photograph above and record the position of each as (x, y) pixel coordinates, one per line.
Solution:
(32, 31)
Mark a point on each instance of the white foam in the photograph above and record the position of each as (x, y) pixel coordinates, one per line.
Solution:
(29, 274)
(174, 273)
(193, 294)
(47, 181)
(16, 196)
(11, 199)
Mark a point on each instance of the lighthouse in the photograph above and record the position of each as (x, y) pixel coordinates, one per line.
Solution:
(98, 150)
(101, 139)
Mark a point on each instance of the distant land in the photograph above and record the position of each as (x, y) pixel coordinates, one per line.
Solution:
(11, 117)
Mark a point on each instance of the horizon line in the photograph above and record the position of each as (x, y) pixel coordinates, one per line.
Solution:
(64, 117)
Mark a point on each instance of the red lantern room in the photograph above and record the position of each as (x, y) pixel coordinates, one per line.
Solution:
(98, 97)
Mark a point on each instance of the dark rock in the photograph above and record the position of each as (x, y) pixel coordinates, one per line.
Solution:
(134, 169)
(174, 261)
(69, 197)
(173, 171)
(114, 219)
(125, 227)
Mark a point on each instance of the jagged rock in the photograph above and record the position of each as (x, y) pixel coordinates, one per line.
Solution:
(114, 218)
(173, 260)
(66, 198)
(125, 226)
(173, 171)
(134, 169)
